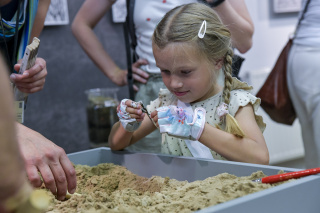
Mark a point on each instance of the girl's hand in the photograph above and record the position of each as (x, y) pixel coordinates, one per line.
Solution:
(130, 114)
(154, 116)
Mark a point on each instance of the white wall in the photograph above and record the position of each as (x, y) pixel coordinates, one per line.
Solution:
(271, 34)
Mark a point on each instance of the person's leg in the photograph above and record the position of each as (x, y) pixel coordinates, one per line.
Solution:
(303, 83)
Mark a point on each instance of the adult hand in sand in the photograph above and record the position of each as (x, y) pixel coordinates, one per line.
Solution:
(40, 154)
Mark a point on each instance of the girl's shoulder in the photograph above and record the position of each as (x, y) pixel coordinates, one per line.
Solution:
(240, 95)
(240, 98)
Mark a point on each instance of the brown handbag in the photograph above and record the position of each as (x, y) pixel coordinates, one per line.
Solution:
(274, 94)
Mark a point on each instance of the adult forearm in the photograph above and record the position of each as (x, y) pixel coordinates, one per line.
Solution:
(38, 25)
(11, 164)
(94, 49)
(237, 19)
(12, 168)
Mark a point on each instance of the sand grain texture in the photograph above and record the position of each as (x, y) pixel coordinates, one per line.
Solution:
(112, 188)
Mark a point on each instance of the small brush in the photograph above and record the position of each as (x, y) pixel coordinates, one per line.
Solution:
(287, 176)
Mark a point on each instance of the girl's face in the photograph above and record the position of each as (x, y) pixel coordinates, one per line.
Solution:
(188, 76)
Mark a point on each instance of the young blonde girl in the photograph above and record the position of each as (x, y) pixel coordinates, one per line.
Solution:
(204, 112)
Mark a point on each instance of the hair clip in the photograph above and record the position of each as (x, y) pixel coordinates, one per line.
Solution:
(203, 25)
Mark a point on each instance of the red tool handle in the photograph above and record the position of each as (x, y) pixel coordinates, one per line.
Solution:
(289, 175)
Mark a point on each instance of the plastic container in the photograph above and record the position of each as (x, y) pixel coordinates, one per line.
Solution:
(298, 196)
(101, 114)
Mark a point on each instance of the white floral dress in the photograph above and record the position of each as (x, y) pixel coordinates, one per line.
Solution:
(238, 98)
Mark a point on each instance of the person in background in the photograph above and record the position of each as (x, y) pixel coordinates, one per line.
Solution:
(146, 15)
(303, 80)
(33, 79)
(195, 114)
(39, 153)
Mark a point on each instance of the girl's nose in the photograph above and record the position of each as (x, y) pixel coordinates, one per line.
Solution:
(176, 82)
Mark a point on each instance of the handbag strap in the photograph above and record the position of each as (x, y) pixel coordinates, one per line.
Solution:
(15, 45)
(301, 17)
(130, 36)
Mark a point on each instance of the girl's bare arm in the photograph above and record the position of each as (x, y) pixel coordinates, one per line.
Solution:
(252, 148)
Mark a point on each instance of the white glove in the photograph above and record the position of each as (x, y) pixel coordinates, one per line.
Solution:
(128, 123)
(176, 122)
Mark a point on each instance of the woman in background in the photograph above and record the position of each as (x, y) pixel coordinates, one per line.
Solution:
(303, 80)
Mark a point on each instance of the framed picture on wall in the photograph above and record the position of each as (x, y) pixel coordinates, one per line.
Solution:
(57, 13)
(286, 6)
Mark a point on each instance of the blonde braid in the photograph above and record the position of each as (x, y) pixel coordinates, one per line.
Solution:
(232, 125)
(228, 76)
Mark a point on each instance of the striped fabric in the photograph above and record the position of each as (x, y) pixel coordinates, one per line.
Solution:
(26, 19)
(10, 26)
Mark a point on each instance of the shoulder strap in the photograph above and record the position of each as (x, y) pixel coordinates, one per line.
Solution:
(130, 23)
(15, 41)
(128, 28)
(302, 16)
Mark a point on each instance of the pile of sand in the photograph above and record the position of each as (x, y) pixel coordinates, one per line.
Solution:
(112, 188)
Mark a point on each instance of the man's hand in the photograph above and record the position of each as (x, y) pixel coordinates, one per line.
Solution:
(40, 154)
(33, 79)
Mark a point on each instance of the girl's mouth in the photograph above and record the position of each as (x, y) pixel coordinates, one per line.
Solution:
(180, 93)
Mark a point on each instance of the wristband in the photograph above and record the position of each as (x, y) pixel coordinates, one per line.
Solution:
(177, 122)
(128, 123)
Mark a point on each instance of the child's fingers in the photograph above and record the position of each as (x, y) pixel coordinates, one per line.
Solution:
(133, 104)
(154, 116)
(132, 109)
(141, 117)
(134, 112)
